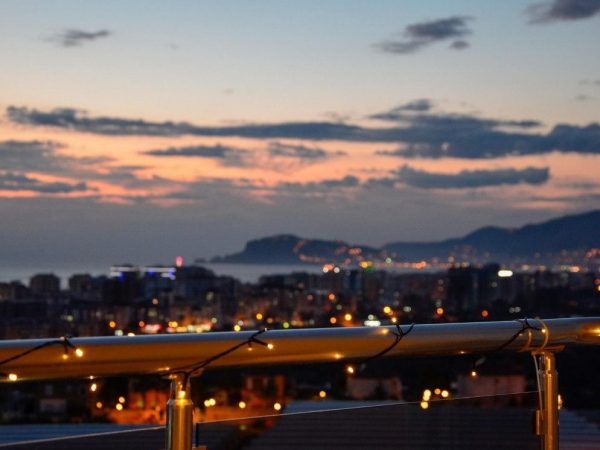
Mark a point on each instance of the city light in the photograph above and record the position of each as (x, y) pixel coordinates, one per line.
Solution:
(485, 313)
(439, 311)
(387, 310)
(78, 352)
(504, 273)
(121, 399)
(242, 405)
(112, 324)
(424, 405)
(236, 328)
(445, 393)
(119, 407)
(437, 391)
(94, 387)
(277, 406)
(348, 317)
(12, 377)
(426, 394)
(259, 316)
(350, 369)
(473, 373)
(333, 320)
(99, 405)
(322, 394)
(270, 346)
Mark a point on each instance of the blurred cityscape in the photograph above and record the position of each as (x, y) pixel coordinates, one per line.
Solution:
(134, 300)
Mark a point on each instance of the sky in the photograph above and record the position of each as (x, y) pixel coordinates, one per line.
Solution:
(135, 131)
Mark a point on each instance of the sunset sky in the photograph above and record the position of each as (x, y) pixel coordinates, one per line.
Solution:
(134, 131)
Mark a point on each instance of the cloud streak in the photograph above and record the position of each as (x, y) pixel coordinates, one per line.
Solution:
(563, 10)
(230, 156)
(302, 152)
(74, 37)
(18, 182)
(418, 36)
(470, 179)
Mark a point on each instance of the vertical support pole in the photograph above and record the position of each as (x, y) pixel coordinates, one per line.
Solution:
(179, 414)
(548, 381)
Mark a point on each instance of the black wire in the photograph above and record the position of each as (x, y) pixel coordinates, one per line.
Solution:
(525, 325)
(398, 336)
(191, 368)
(64, 341)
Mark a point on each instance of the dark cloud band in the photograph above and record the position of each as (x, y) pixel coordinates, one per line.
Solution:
(420, 134)
(469, 179)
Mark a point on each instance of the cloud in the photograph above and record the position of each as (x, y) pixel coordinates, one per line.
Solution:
(78, 120)
(421, 105)
(75, 38)
(459, 45)
(225, 155)
(563, 10)
(10, 181)
(420, 35)
(425, 135)
(279, 149)
(469, 179)
(41, 156)
(588, 82)
(323, 187)
(471, 137)
(202, 151)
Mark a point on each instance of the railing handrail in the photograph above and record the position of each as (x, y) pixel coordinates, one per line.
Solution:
(147, 354)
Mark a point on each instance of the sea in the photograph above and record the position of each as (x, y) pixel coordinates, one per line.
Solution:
(247, 273)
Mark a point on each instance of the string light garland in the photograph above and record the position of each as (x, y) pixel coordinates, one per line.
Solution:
(525, 325)
(399, 334)
(64, 341)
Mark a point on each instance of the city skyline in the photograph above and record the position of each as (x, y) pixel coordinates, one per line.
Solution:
(133, 133)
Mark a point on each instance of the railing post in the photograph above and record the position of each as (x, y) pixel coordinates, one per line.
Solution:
(548, 383)
(179, 414)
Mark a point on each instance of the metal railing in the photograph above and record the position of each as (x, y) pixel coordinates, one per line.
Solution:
(180, 356)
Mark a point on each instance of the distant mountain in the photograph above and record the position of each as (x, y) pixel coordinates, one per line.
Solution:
(577, 232)
(580, 231)
(290, 249)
